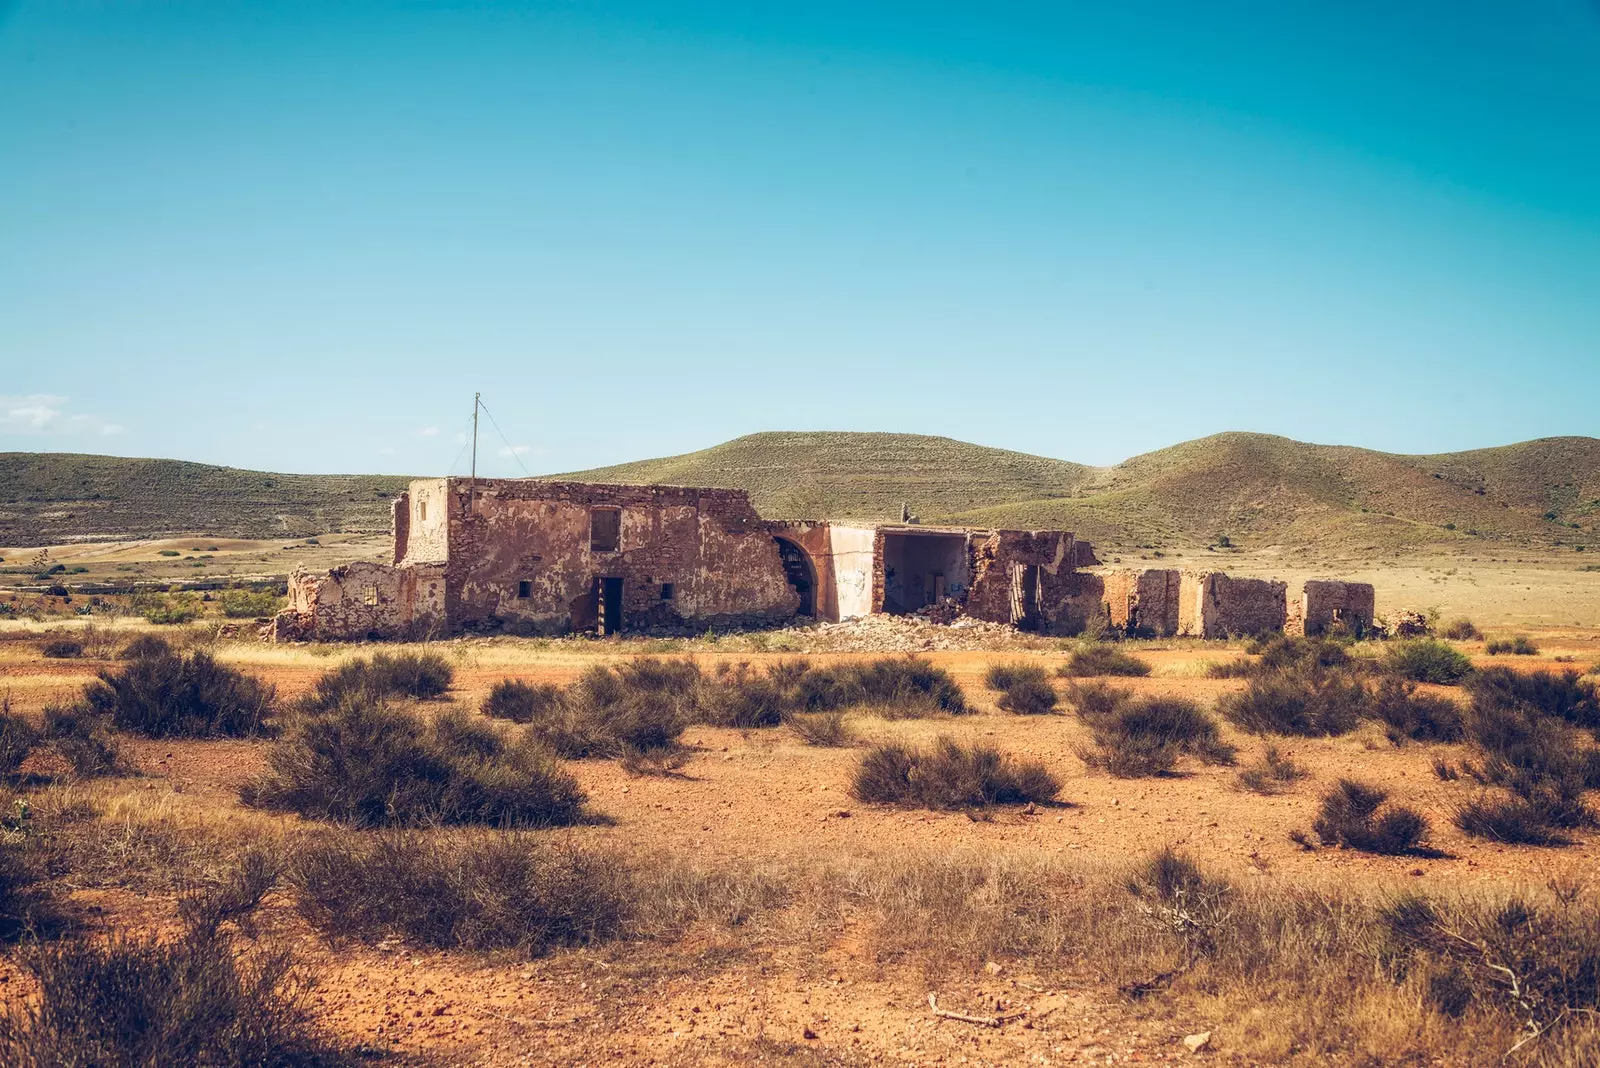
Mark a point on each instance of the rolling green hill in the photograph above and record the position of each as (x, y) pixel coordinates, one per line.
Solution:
(857, 476)
(49, 498)
(1256, 489)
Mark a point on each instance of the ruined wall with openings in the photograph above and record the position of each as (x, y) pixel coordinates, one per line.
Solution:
(1326, 604)
(1030, 579)
(363, 600)
(523, 556)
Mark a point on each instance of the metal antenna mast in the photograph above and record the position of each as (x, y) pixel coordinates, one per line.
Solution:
(475, 397)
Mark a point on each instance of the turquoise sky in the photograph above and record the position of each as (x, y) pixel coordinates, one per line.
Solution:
(299, 236)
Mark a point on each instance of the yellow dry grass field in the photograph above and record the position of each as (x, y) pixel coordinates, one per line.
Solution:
(811, 927)
(197, 558)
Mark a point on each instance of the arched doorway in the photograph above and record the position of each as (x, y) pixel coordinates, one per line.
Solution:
(801, 574)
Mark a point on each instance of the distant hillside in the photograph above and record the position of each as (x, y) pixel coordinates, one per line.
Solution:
(857, 476)
(1256, 489)
(48, 498)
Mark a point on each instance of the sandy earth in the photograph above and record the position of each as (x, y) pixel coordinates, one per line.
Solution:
(762, 798)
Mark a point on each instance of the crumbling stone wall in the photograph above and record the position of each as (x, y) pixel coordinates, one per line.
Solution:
(521, 556)
(1327, 602)
(363, 600)
(1031, 579)
(1144, 603)
(427, 508)
(1213, 604)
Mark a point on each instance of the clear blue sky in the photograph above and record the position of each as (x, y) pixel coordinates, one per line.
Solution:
(299, 236)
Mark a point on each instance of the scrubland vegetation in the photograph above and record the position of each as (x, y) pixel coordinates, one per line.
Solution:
(387, 812)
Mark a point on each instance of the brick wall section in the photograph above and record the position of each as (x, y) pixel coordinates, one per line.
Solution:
(709, 544)
(1326, 601)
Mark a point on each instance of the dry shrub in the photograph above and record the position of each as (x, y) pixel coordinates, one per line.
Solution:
(1094, 701)
(1513, 820)
(894, 687)
(61, 648)
(950, 775)
(642, 707)
(371, 765)
(1090, 661)
(1533, 964)
(145, 646)
(1461, 629)
(1565, 695)
(1350, 816)
(175, 696)
(1025, 689)
(420, 676)
(521, 702)
(1307, 704)
(139, 1001)
(1272, 773)
(17, 737)
(82, 740)
(825, 729)
(500, 891)
(27, 906)
(1282, 653)
(1416, 716)
(1427, 660)
(1146, 736)
(510, 890)
(1521, 645)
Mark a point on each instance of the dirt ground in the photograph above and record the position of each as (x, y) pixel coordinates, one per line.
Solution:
(762, 800)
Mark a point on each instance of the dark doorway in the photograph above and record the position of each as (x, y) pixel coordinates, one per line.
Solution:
(801, 574)
(609, 592)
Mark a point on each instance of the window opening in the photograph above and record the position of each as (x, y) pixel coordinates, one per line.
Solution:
(605, 529)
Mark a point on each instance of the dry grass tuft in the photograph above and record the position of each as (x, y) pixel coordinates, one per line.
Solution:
(1272, 773)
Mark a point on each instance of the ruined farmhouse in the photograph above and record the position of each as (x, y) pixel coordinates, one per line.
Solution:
(536, 556)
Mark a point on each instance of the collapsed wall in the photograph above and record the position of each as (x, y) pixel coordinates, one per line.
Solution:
(363, 600)
(1030, 578)
(1327, 604)
(1213, 604)
(1143, 603)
